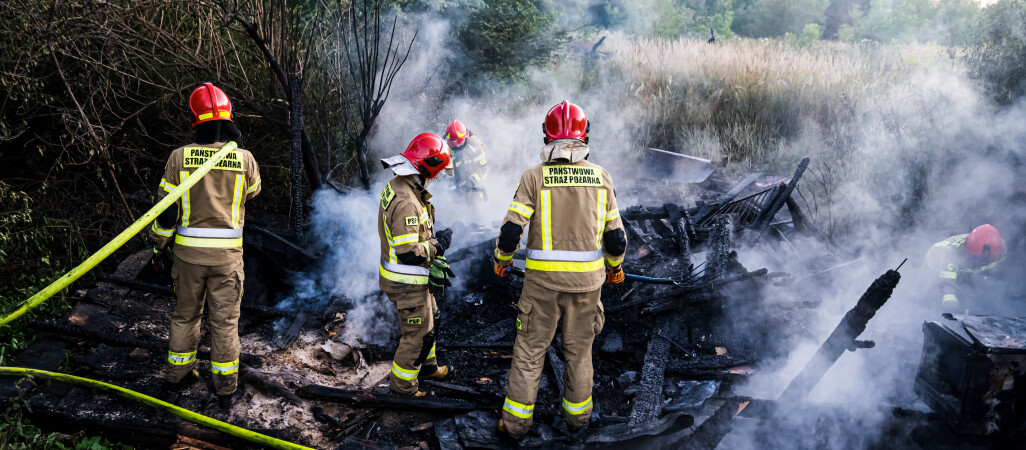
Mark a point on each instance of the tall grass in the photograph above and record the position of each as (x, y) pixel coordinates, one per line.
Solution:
(754, 95)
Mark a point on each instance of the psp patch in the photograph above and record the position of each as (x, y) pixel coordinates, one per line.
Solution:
(563, 176)
(413, 321)
(194, 157)
(411, 221)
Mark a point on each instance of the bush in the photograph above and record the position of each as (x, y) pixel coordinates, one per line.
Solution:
(998, 51)
(503, 37)
(772, 18)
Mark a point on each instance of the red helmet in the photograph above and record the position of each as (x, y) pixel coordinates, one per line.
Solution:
(456, 134)
(566, 121)
(208, 103)
(985, 241)
(429, 154)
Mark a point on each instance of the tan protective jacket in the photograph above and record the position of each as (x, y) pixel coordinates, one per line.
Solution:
(950, 262)
(405, 227)
(212, 213)
(569, 204)
(470, 163)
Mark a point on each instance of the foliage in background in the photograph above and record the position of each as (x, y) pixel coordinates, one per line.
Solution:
(503, 37)
(997, 54)
(34, 251)
(17, 433)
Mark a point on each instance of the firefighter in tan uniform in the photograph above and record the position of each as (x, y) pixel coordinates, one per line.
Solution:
(575, 242)
(205, 226)
(413, 270)
(470, 165)
(955, 261)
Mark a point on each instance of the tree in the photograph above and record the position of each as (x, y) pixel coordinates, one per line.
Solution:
(366, 71)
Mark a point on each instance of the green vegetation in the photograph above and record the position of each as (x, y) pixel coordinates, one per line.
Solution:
(94, 97)
(17, 433)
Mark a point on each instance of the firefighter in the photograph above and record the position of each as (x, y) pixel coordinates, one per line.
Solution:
(576, 241)
(205, 227)
(955, 261)
(470, 167)
(413, 270)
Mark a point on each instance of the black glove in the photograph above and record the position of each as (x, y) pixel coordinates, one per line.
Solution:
(161, 260)
(438, 278)
(444, 238)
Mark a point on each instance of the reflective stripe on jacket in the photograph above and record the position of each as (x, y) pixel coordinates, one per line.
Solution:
(568, 207)
(212, 213)
(405, 227)
(948, 260)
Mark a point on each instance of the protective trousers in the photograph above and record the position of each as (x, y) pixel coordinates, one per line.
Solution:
(416, 311)
(540, 312)
(219, 289)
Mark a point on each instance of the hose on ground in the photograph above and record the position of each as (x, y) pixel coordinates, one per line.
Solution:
(193, 417)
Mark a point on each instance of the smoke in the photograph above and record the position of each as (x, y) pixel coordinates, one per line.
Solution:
(906, 150)
(345, 226)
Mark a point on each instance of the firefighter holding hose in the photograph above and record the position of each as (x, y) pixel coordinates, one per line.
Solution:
(205, 230)
(575, 242)
(413, 271)
(957, 260)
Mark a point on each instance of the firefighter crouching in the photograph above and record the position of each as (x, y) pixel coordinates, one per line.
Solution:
(955, 261)
(469, 164)
(413, 270)
(575, 242)
(205, 226)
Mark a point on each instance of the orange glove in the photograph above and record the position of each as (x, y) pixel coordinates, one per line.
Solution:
(501, 271)
(615, 275)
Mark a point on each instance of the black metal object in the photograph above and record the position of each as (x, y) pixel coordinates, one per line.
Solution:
(843, 336)
(973, 373)
(296, 221)
(781, 198)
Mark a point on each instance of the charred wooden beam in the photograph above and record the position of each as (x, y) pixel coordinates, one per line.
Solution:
(268, 385)
(57, 329)
(778, 201)
(719, 250)
(843, 336)
(310, 257)
(289, 335)
(168, 291)
(799, 220)
(708, 435)
(367, 399)
(705, 210)
(648, 403)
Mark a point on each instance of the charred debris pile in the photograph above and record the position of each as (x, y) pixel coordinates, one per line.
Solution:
(678, 336)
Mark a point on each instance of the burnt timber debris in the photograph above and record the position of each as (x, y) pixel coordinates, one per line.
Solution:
(679, 337)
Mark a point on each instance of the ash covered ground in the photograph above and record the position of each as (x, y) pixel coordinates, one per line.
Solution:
(673, 365)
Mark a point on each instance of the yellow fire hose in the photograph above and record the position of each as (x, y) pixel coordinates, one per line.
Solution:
(156, 403)
(92, 262)
(122, 238)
